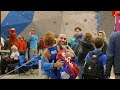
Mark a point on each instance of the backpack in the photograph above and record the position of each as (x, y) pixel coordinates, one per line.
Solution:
(70, 70)
(81, 51)
(93, 68)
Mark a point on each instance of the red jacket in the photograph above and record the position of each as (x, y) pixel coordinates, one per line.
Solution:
(13, 37)
(21, 45)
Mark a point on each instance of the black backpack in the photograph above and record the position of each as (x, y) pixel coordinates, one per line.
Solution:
(93, 68)
(81, 50)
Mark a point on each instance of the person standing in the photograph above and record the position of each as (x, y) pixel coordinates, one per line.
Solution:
(78, 37)
(46, 66)
(33, 39)
(21, 44)
(13, 37)
(113, 55)
(82, 50)
(102, 35)
(96, 69)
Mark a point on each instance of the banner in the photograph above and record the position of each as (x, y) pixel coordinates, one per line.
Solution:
(117, 25)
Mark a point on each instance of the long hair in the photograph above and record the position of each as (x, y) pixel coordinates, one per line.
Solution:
(103, 35)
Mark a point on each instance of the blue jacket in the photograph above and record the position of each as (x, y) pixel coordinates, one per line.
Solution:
(78, 39)
(113, 53)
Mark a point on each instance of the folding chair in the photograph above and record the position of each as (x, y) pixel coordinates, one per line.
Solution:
(34, 64)
(22, 61)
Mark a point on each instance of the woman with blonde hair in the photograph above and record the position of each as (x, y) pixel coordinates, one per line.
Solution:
(14, 54)
(102, 35)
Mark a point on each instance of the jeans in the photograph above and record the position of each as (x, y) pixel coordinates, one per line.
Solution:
(81, 71)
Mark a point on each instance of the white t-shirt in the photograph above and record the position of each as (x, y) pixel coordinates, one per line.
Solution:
(15, 55)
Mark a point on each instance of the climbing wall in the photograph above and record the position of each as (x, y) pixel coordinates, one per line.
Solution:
(107, 22)
(45, 21)
(16, 19)
(83, 19)
(61, 22)
(3, 15)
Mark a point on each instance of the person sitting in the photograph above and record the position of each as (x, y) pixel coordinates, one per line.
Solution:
(13, 57)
